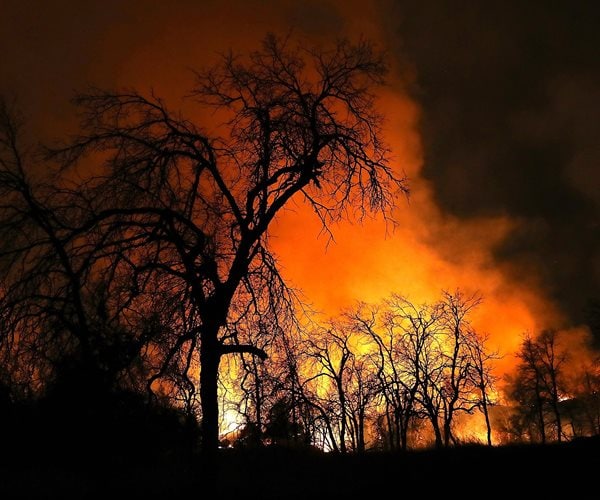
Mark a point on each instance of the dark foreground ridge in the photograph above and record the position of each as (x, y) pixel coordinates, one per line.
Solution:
(566, 470)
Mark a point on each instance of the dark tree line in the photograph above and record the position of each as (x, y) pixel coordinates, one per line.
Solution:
(399, 375)
(380, 376)
(136, 254)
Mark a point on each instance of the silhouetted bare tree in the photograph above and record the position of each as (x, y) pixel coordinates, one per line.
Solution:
(290, 390)
(552, 360)
(193, 211)
(538, 383)
(482, 376)
(422, 337)
(330, 356)
(397, 382)
(362, 401)
(583, 408)
(459, 392)
(433, 363)
(63, 293)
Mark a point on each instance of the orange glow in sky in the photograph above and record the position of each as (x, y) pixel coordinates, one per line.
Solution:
(427, 252)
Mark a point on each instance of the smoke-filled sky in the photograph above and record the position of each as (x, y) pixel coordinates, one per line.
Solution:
(510, 93)
(491, 109)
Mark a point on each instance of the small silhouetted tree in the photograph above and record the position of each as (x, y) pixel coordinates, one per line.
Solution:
(286, 375)
(330, 357)
(361, 399)
(528, 386)
(459, 393)
(255, 385)
(482, 377)
(282, 428)
(538, 384)
(552, 360)
(433, 364)
(422, 332)
(584, 407)
(392, 354)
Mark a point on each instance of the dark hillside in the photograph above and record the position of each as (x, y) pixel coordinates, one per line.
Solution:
(568, 469)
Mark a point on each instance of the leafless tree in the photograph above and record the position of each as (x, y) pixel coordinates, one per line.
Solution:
(193, 210)
(331, 355)
(397, 385)
(361, 399)
(421, 330)
(434, 362)
(538, 383)
(459, 391)
(584, 406)
(287, 372)
(63, 294)
(552, 359)
(482, 376)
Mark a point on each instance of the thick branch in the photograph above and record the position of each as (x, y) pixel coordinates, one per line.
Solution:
(244, 348)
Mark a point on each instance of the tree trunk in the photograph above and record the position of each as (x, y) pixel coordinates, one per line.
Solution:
(259, 402)
(448, 429)
(391, 426)
(398, 430)
(330, 432)
(342, 399)
(555, 408)
(486, 414)
(540, 415)
(436, 431)
(361, 430)
(210, 357)
(404, 433)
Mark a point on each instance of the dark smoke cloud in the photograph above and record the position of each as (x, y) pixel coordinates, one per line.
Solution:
(510, 93)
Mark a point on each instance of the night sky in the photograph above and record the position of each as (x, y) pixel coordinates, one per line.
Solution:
(507, 93)
(510, 93)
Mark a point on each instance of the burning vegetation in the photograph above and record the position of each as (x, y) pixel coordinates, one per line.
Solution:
(138, 275)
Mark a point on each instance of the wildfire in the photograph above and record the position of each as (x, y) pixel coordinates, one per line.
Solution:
(424, 252)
